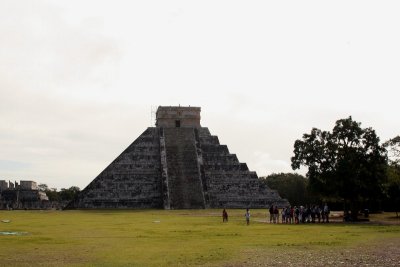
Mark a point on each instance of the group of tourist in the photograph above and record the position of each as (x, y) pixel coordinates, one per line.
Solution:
(301, 214)
(292, 214)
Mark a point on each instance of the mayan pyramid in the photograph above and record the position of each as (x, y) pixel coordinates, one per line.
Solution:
(176, 165)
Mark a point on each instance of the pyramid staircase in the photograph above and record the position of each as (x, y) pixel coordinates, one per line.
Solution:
(183, 179)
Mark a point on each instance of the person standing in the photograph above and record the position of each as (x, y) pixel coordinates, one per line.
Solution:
(271, 213)
(291, 214)
(276, 214)
(296, 215)
(224, 216)
(326, 212)
(247, 215)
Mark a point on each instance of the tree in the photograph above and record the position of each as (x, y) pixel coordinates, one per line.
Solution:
(393, 147)
(70, 193)
(292, 186)
(393, 189)
(52, 194)
(393, 184)
(347, 164)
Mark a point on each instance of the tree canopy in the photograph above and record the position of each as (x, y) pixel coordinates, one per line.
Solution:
(393, 183)
(292, 186)
(347, 164)
(69, 194)
(393, 147)
(65, 194)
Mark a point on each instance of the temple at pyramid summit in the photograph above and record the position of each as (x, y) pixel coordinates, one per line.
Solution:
(176, 165)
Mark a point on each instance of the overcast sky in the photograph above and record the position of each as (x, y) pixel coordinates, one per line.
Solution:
(78, 79)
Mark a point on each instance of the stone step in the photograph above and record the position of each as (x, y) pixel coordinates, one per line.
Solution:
(185, 189)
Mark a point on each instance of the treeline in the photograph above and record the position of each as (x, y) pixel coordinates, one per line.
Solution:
(296, 189)
(348, 165)
(65, 194)
(292, 186)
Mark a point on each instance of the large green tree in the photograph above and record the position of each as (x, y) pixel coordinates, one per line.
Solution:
(393, 183)
(347, 164)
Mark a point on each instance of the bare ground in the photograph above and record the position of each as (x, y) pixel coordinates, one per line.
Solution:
(382, 253)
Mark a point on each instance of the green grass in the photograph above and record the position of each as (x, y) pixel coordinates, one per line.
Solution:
(167, 238)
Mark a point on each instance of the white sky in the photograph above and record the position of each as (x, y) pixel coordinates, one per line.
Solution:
(78, 78)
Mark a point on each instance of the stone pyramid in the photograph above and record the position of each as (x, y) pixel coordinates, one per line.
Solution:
(176, 165)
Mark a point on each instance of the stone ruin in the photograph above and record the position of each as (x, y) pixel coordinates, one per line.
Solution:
(25, 195)
(176, 165)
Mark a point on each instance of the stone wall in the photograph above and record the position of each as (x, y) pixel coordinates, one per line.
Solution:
(230, 184)
(23, 199)
(168, 117)
(132, 180)
(3, 185)
(29, 185)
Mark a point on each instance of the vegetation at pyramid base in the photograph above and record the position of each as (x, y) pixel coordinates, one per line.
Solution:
(347, 164)
(65, 194)
(292, 186)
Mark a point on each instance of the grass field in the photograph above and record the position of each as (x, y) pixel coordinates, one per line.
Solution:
(182, 238)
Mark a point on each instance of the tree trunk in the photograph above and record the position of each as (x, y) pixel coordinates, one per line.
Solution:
(354, 210)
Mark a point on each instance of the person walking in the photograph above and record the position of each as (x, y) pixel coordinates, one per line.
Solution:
(247, 215)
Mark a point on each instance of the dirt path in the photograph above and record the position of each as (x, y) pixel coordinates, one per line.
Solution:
(385, 253)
